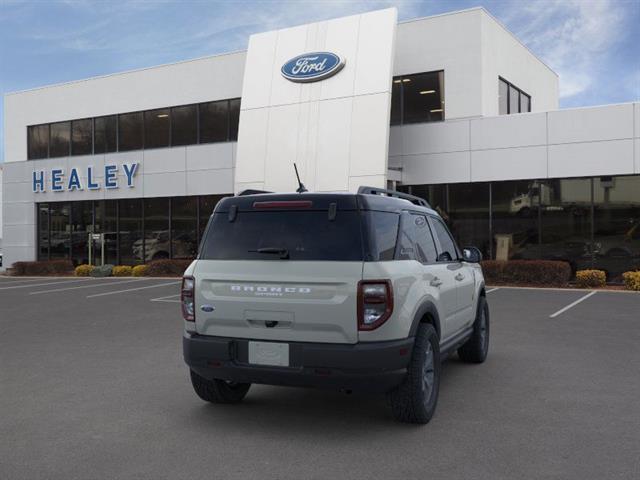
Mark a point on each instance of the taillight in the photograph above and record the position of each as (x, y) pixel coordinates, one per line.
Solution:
(187, 299)
(375, 303)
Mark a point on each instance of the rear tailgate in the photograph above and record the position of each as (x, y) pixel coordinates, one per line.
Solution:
(295, 301)
(281, 267)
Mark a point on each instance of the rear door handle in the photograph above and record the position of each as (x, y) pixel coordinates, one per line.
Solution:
(459, 277)
(436, 282)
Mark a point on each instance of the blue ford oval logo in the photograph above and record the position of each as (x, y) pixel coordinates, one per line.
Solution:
(311, 67)
(207, 308)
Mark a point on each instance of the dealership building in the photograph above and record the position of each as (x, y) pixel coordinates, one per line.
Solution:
(453, 108)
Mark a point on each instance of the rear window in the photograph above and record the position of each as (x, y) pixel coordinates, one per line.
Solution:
(304, 235)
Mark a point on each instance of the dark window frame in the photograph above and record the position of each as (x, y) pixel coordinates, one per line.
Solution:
(520, 94)
(228, 138)
(399, 79)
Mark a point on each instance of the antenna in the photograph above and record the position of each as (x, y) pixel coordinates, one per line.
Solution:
(301, 188)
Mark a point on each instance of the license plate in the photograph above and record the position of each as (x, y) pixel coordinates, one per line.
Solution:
(269, 353)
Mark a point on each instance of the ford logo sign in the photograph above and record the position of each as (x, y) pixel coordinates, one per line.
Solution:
(312, 67)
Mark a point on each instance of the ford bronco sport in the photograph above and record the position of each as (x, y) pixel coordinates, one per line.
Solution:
(364, 291)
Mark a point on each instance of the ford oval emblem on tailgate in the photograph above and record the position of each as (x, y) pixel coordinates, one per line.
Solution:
(207, 308)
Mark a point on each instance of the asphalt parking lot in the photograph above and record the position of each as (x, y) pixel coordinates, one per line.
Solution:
(93, 386)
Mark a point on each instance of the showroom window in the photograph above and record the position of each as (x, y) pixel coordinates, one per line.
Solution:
(591, 222)
(511, 99)
(130, 131)
(38, 141)
(159, 128)
(59, 139)
(214, 121)
(135, 230)
(82, 137)
(105, 134)
(417, 98)
(184, 125)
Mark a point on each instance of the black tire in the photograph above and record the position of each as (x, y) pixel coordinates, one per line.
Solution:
(475, 349)
(218, 391)
(414, 401)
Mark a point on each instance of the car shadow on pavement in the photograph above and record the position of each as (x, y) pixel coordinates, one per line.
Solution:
(283, 410)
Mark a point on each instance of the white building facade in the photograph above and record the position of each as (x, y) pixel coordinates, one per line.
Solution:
(452, 108)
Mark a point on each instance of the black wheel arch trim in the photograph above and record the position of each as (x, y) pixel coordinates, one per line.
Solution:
(427, 308)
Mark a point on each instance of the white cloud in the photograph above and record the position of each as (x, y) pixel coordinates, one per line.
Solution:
(573, 36)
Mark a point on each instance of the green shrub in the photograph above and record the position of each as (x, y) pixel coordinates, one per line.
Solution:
(167, 268)
(102, 271)
(140, 270)
(527, 272)
(84, 270)
(122, 271)
(631, 280)
(591, 278)
(47, 267)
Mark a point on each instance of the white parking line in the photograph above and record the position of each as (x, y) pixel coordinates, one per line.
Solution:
(133, 289)
(167, 299)
(493, 290)
(571, 305)
(43, 284)
(95, 284)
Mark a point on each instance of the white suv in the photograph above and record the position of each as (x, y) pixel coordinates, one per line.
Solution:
(364, 291)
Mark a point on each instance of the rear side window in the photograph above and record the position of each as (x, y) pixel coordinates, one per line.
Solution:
(448, 252)
(304, 235)
(416, 241)
(382, 234)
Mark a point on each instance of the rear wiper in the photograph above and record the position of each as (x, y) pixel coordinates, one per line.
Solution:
(283, 252)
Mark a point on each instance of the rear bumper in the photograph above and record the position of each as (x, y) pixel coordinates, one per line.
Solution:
(372, 367)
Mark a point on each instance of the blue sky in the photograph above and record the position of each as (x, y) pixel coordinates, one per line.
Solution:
(594, 45)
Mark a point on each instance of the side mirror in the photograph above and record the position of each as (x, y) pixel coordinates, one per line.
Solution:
(471, 255)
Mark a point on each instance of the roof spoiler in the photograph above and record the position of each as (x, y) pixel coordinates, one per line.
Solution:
(393, 193)
(251, 191)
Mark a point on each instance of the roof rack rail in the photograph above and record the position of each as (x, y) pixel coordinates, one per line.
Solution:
(393, 193)
(250, 191)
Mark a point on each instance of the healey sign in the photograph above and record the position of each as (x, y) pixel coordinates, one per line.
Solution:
(312, 67)
(57, 181)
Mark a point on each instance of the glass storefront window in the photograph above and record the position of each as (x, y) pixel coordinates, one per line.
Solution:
(207, 205)
(59, 139)
(184, 125)
(503, 97)
(131, 242)
(43, 231)
(64, 228)
(234, 118)
(106, 222)
(105, 134)
(184, 227)
(60, 230)
(156, 128)
(418, 98)
(214, 121)
(38, 141)
(156, 229)
(130, 131)
(82, 137)
(616, 229)
(81, 227)
(565, 220)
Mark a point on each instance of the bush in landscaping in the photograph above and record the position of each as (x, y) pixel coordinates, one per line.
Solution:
(527, 272)
(84, 270)
(122, 271)
(591, 278)
(102, 271)
(46, 267)
(140, 270)
(167, 268)
(631, 280)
